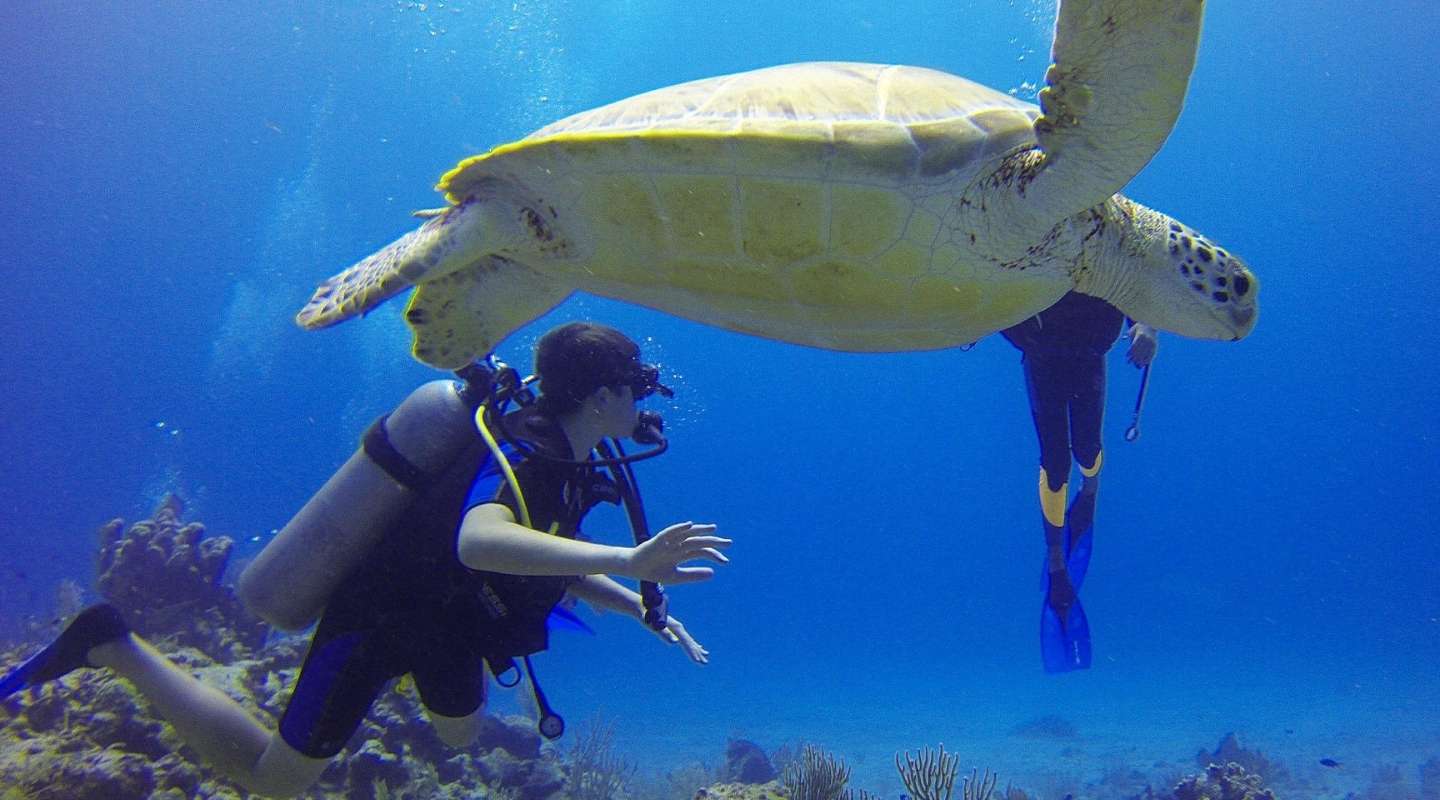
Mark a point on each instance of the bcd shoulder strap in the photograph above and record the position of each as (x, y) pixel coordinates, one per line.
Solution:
(378, 447)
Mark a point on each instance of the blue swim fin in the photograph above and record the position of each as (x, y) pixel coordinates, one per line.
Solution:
(563, 618)
(1064, 644)
(93, 626)
(1079, 538)
(20, 677)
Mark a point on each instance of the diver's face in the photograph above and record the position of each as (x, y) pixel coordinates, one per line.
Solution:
(618, 411)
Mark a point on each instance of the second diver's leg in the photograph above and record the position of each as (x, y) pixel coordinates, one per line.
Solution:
(1064, 631)
(1048, 404)
(1087, 414)
(219, 729)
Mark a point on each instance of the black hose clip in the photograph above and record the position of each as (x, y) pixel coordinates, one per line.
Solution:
(552, 725)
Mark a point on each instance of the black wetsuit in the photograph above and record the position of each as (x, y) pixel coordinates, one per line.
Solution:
(412, 607)
(1064, 350)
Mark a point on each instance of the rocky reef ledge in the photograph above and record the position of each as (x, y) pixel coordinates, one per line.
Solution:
(90, 736)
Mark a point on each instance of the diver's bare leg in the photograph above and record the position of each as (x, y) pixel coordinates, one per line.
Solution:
(224, 734)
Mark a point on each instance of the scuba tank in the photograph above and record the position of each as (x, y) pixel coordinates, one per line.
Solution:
(292, 579)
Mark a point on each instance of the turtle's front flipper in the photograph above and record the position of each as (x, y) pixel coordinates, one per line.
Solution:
(1112, 95)
(448, 241)
(464, 315)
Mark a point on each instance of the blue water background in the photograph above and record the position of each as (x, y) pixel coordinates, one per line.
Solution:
(176, 179)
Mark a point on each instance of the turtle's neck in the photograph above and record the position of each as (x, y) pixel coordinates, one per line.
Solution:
(1115, 234)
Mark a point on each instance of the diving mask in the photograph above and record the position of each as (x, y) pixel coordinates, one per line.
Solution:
(645, 381)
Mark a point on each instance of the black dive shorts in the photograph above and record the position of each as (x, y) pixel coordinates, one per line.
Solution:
(347, 668)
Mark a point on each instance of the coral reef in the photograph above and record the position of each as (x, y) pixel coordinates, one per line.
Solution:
(89, 736)
(85, 736)
(1231, 751)
(595, 772)
(165, 577)
(743, 791)
(1430, 779)
(1230, 782)
(746, 762)
(92, 734)
(398, 748)
(815, 775)
(928, 775)
(979, 786)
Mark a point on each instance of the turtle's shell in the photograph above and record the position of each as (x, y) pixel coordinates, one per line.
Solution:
(811, 202)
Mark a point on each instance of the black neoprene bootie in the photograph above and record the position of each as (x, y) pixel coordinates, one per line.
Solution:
(94, 626)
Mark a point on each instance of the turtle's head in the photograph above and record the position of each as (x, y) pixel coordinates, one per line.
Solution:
(1169, 276)
(1210, 294)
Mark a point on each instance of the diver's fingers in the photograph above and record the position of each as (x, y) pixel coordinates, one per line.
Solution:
(691, 574)
(693, 649)
(706, 552)
(701, 528)
(684, 535)
(687, 528)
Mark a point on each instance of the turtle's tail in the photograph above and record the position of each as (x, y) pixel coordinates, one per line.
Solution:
(446, 242)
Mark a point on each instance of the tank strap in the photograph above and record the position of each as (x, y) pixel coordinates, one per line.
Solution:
(378, 447)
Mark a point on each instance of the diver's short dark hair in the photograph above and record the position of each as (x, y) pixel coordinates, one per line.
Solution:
(575, 359)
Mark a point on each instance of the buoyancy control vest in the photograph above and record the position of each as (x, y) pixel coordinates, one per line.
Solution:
(401, 455)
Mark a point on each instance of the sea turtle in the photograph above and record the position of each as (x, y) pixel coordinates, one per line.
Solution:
(839, 205)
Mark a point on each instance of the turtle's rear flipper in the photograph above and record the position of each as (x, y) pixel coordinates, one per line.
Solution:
(464, 315)
(448, 241)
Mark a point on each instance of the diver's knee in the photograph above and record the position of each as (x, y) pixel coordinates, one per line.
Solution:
(1090, 469)
(457, 731)
(284, 771)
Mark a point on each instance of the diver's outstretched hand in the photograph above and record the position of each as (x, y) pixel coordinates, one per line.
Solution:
(675, 633)
(660, 558)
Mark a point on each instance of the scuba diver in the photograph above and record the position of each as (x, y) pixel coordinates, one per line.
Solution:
(1063, 353)
(442, 546)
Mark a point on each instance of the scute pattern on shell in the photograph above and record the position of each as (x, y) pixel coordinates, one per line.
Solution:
(944, 122)
(817, 92)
